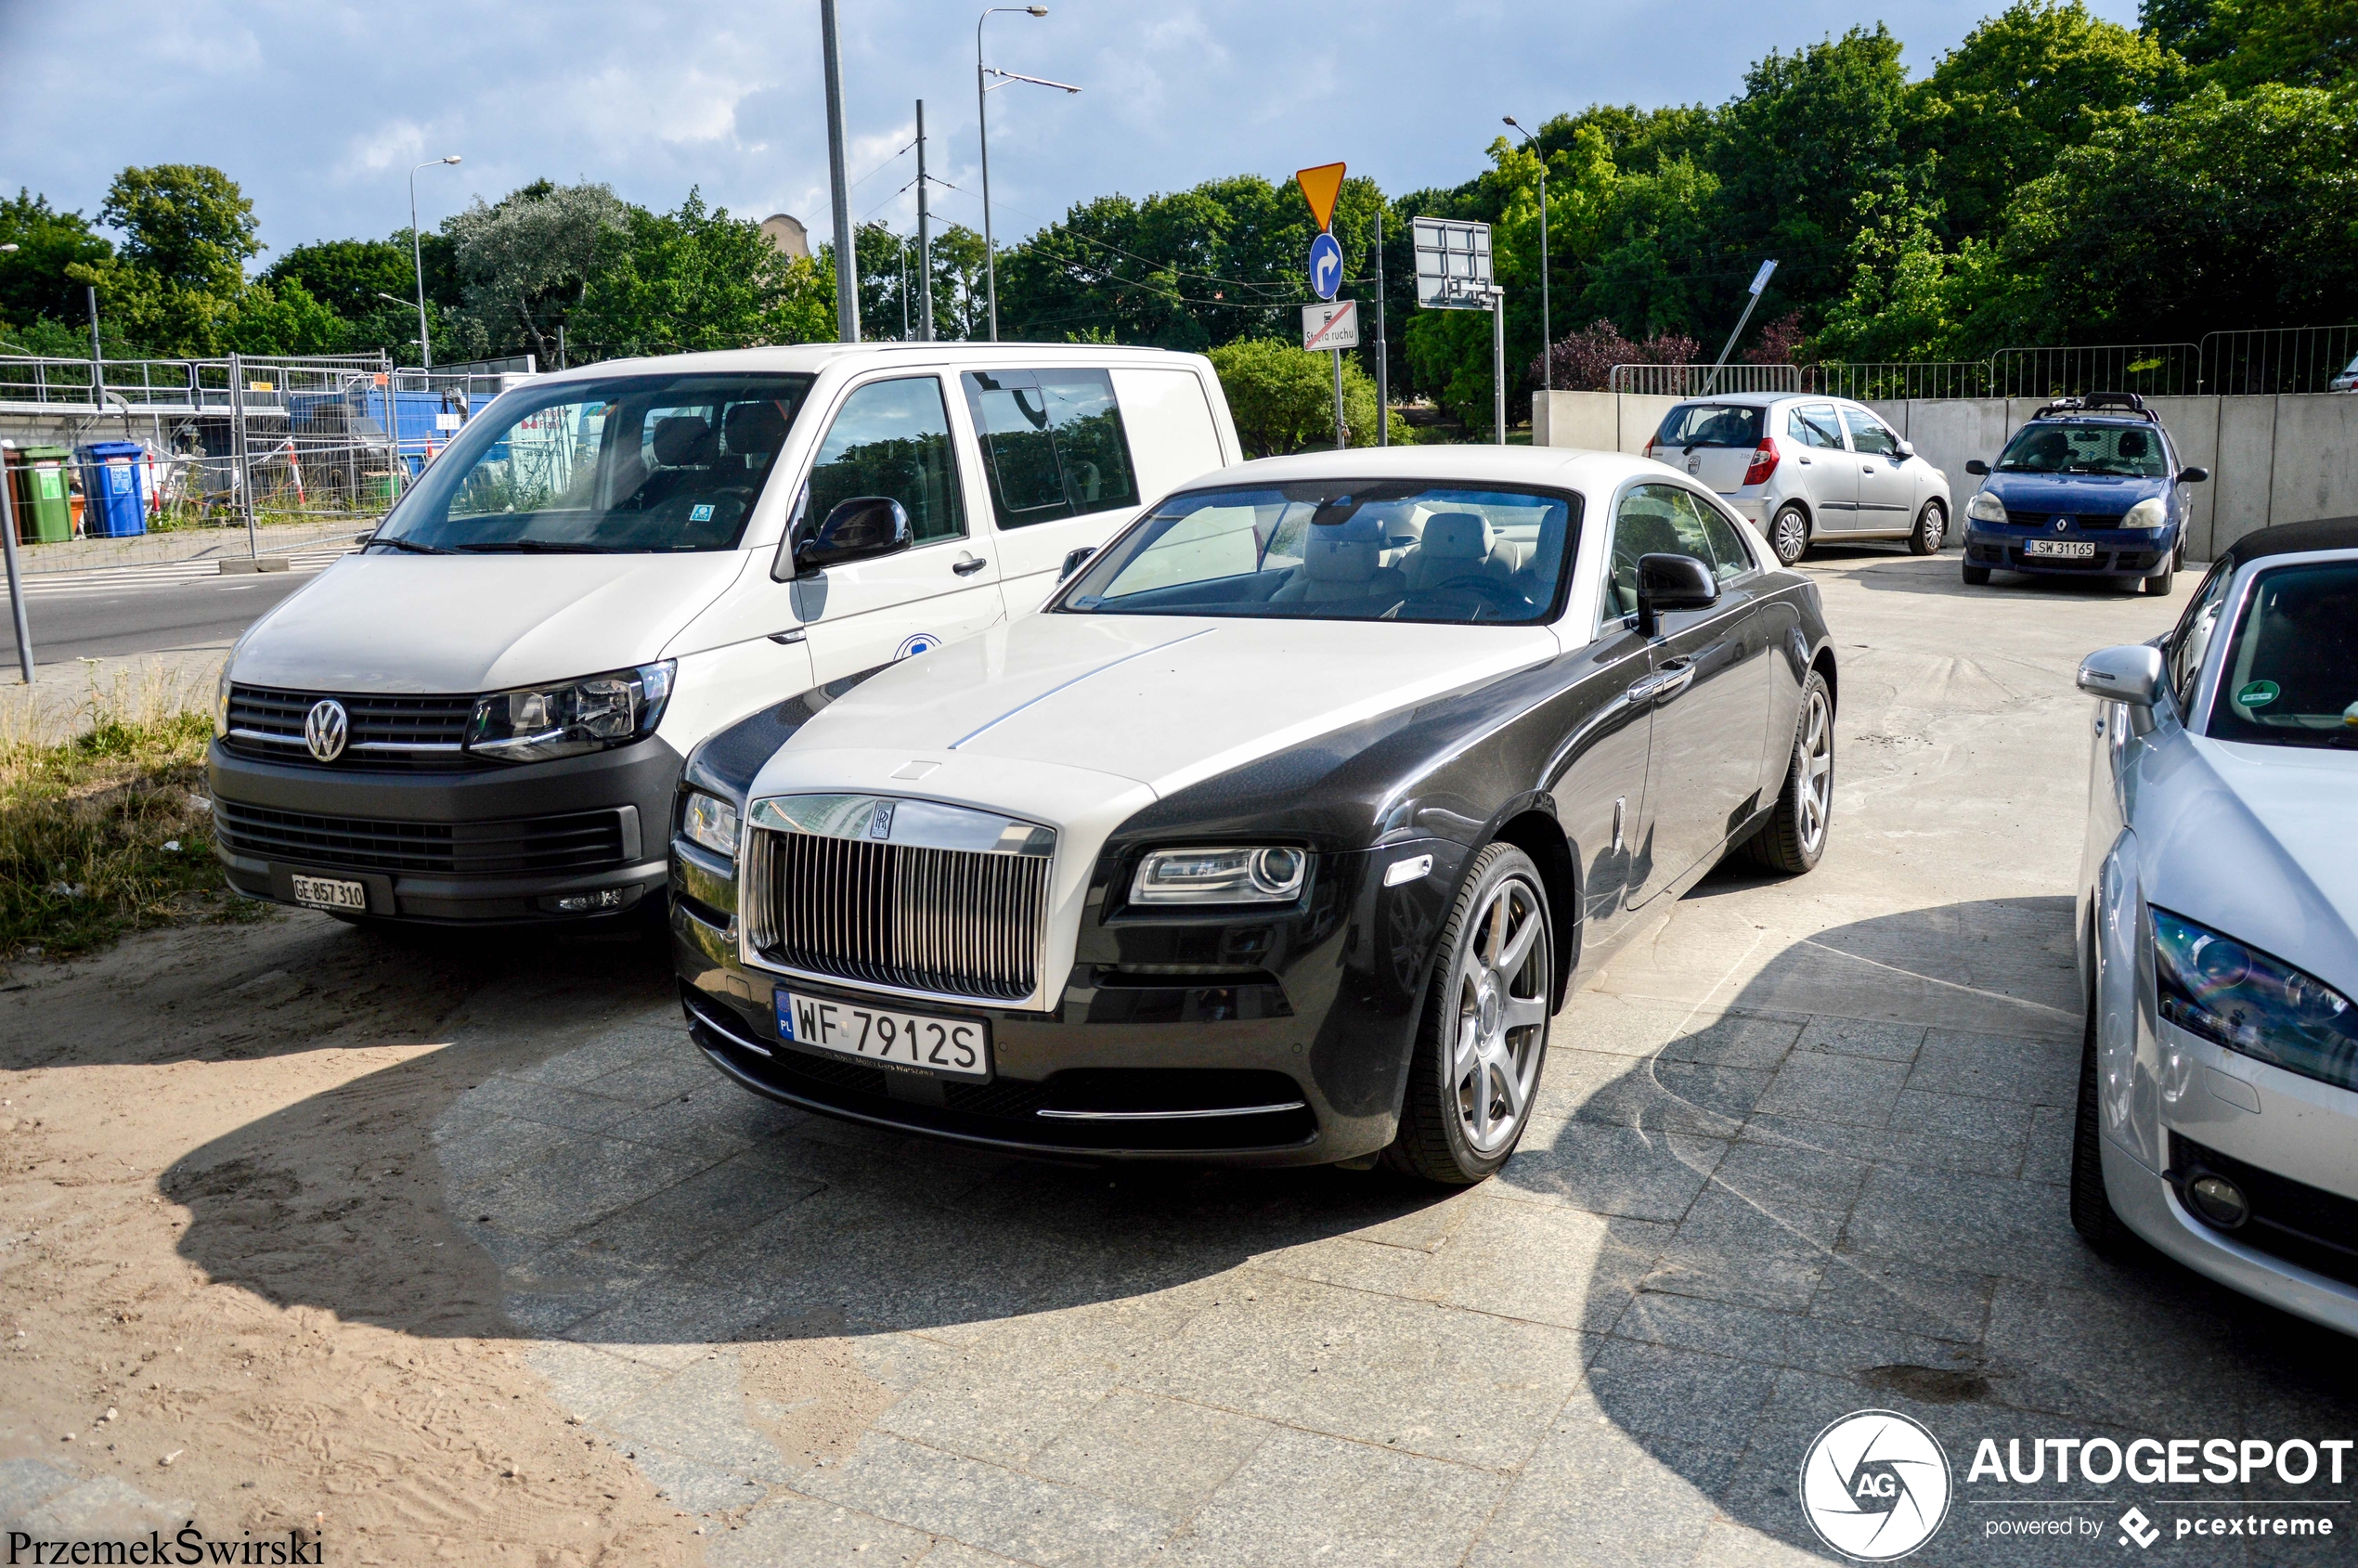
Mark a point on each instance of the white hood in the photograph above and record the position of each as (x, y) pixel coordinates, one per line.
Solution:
(446, 625)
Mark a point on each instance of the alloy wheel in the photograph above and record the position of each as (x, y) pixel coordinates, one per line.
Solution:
(1817, 772)
(1792, 537)
(1502, 1014)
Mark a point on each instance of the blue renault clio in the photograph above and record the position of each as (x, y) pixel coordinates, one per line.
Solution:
(2091, 488)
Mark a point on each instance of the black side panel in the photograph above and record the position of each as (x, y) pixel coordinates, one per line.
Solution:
(727, 762)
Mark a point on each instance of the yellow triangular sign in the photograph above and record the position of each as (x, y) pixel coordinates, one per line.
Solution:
(1322, 185)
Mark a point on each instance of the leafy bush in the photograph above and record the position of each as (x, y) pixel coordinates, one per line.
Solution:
(1283, 397)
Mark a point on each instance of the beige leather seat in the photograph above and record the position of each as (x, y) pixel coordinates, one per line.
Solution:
(1342, 562)
(1458, 544)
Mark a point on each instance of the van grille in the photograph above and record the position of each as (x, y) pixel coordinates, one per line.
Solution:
(952, 921)
(407, 733)
(579, 841)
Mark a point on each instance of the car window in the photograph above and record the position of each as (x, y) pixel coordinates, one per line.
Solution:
(630, 464)
(2290, 675)
(1815, 425)
(1728, 558)
(1053, 444)
(891, 438)
(1868, 434)
(2190, 641)
(2052, 447)
(1711, 424)
(1339, 550)
(1653, 520)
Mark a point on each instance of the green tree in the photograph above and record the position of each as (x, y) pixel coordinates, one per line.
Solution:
(33, 278)
(188, 223)
(697, 279)
(347, 276)
(523, 263)
(2239, 43)
(1283, 397)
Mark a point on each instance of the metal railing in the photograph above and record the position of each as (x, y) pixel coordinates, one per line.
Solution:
(1899, 380)
(1690, 381)
(2262, 361)
(2160, 369)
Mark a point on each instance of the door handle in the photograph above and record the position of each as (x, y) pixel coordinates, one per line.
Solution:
(970, 566)
(1676, 676)
(1866, 468)
(796, 635)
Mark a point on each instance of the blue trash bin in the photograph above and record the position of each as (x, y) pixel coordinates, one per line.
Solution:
(114, 503)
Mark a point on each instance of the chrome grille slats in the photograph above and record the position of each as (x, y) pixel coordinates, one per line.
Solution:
(395, 732)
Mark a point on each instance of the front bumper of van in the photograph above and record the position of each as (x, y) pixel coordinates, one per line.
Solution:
(543, 843)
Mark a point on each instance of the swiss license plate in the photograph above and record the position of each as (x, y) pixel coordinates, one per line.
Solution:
(2069, 550)
(329, 892)
(951, 1047)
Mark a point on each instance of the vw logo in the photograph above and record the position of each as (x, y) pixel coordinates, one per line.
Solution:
(325, 728)
(1875, 1486)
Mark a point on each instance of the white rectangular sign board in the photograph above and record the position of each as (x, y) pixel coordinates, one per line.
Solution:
(1330, 325)
(1453, 263)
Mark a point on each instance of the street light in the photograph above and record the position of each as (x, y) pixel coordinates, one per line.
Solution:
(1547, 341)
(417, 264)
(982, 134)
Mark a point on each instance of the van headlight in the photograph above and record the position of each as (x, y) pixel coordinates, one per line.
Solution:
(2258, 1006)
(1243, 875)
(1985, 508)
(711, 821)
(544, 722)
(2151, 513)
(221, 702)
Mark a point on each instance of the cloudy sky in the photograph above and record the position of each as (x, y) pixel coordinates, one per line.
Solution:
(320, 109)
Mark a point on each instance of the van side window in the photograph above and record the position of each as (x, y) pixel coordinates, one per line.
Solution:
(891, 438)
(1052, 443)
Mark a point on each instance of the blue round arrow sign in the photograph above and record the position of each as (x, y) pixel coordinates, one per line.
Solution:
(1326, 266)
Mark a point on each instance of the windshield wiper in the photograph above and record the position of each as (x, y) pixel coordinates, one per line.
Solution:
(535, 547)
(411, 545)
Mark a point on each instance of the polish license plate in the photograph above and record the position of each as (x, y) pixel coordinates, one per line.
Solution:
(328, 892)
(948, 1047)
(2068, 549)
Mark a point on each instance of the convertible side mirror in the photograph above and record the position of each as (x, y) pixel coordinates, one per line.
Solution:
(1075, 559)
(1976, 466)
(859, 529)
(2133, 673)
(2193, 475)
(1672, 582)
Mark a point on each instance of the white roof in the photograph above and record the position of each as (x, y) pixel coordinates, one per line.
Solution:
(809, 359)
(1555, 467)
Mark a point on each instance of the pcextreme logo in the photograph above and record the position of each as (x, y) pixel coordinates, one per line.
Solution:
(1875, 1486)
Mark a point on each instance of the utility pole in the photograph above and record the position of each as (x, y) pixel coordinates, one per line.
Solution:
(97, 364)
(925, 238)
(1498, 360)
(15, 586)
(1383, 355)
(238, 446)
(847, 261)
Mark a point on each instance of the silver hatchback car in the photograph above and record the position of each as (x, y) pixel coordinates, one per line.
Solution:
(1808, 470)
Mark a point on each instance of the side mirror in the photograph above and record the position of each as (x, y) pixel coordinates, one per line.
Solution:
(1906, 449)
(2193, 475)
(1075, 559)
(859, 529)
(2132, 674)
(1976, 466)
(1672, 582)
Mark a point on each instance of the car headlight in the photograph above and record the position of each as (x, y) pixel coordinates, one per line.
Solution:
(711, 821)
(1985, 508)
(2253, 1004)
(221, 702)
(543, 722)
(2151, 513)
(1220, 877)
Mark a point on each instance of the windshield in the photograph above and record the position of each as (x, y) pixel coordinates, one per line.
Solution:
(1339, 550)
(2132, 451)
(2291, 673)
(621, 464)
(1713, 424)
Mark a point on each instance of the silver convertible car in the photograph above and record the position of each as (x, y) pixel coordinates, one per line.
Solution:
(2219, 922)
(1280, 834)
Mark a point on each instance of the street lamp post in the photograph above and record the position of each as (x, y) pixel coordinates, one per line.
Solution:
(1546, 341)
(982, 135)
(417, 261)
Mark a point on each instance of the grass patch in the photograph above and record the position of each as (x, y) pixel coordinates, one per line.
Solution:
(106, 832)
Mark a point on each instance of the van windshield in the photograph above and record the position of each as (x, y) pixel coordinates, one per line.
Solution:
(622, 464)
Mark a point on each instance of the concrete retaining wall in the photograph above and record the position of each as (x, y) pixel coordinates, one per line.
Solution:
(2272, 460)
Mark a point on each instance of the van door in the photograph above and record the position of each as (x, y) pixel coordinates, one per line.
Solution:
(892, 436)
(1056, 451)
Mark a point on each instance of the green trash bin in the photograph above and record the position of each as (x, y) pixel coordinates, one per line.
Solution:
(37, 484)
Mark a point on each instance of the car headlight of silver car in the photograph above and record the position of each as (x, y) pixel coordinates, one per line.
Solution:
(1239, 876)
(711, 821)
(2151, 513)
(544, 722)
(2258, 1006)
(1985, 508)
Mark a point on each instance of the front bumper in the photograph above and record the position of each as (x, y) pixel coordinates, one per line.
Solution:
(2119, 552)
(2147, 1201)
(505, 845)
(1300, 1007)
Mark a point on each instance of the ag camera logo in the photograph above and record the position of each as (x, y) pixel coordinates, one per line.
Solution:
(1875, 1486)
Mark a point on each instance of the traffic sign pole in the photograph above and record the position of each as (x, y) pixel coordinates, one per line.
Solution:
(1498, 360)
(1342, 436)
(1384, 356)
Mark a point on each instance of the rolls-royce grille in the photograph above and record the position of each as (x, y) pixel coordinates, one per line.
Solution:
(579, 841)
(403, 733)
(957, 922)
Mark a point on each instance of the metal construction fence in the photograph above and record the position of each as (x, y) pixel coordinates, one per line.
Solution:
(1696, 381)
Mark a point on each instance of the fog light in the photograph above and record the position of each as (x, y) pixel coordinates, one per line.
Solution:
(2220, 1201)
(589, 904)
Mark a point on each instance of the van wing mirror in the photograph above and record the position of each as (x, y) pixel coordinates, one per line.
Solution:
(859, 529)
(2132, 673)
(1976, 467)
(2193, 475)
(1672, 582)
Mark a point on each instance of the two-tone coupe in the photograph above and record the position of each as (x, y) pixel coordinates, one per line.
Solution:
(1278, 835)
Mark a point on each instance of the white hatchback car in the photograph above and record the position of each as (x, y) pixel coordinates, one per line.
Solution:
(1807, 469)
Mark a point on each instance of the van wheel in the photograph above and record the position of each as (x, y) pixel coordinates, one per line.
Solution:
(1789, 534)
(1484, 1036)
(1793, 838)
(1932, 530)
(1977, 576)
(2091, 1211)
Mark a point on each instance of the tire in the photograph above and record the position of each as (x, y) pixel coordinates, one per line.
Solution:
(1793, 838)
(2157, 586)
(2093, 1214)
(1932, 530)
(1497, 966)
(1789, 534)
(1977, 576)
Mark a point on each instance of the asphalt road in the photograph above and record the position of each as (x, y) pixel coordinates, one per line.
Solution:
(86, 621)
